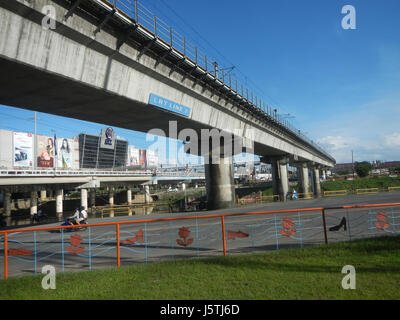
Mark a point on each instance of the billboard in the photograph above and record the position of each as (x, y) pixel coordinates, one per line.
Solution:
(142, 159)
(45, 152)
(133, 157)
(66, 153)
(23, 149)
(152, 159)
(107, 139)
(6, 149)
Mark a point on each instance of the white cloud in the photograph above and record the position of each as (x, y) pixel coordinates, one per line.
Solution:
(381, 147)
(392, 140)
(334, 143)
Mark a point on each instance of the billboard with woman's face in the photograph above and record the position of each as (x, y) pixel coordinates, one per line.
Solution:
(45, 152)
(64, 153)
(23, 149)
(67, 153)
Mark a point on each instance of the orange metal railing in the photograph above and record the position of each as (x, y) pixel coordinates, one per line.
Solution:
(323, 211)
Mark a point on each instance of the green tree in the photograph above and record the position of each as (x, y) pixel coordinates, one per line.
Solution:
(363, 168)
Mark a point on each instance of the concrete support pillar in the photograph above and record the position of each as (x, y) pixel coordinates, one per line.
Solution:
(220, 184)
(59, 204)
(43, 195)
(92, 198)
(323, 174)
(129, 196)
(111, 196)
(317, 183)
(303, 179)
(33, 206)
(147, 194)
(280, 183)
(7, 203)
(84, 198)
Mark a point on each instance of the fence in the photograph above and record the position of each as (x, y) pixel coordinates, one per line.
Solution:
(26, 251)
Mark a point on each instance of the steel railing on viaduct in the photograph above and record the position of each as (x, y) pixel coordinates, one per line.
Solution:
(85, 172)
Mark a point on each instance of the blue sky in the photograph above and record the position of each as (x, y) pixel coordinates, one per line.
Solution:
(341, 86)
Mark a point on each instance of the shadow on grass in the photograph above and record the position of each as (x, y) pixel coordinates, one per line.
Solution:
(348, 251)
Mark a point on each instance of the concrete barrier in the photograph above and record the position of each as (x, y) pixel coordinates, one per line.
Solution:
(367, 191)
(335, 193)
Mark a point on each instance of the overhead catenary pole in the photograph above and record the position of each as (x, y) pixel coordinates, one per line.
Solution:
(35, 118)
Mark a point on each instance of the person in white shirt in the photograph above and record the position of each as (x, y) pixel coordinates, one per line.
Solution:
(79, 216)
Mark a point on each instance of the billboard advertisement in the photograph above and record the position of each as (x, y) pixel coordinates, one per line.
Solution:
(142, 159)
(152, 159)
(67, 153)
(45, 152)
(23, 149)
(107, 139)
(133, 157)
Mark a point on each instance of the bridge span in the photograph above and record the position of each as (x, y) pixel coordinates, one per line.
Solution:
(87, 181)
(103, 62)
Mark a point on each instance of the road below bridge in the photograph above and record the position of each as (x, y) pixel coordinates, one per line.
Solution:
(142, 240)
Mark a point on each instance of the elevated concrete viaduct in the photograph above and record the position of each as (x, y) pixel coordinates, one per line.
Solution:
(29, 182)
(99, 64)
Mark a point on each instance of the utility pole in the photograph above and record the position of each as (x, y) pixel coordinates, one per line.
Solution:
(55, 150)
(35, 118)
(352, 162)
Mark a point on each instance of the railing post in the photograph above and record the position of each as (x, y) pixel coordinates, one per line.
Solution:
(5, 255)
(324, 223)
(223, 234)
(118, 247)
(170, 36)
(155, 25)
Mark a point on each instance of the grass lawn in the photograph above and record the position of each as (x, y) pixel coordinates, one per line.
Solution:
(382, 183)
(307, 273)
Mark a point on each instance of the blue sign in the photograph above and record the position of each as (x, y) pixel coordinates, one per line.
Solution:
(169, 105)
